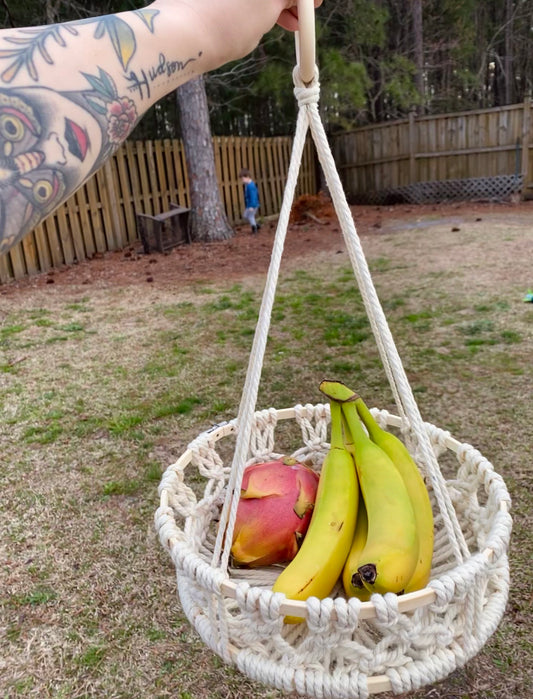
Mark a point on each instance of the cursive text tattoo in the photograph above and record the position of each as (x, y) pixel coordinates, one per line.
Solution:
(164, 69)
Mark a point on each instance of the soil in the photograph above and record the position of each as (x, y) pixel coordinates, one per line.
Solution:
(314, 228)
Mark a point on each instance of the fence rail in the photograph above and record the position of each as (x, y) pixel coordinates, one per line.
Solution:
(144, 177)
(460, 146)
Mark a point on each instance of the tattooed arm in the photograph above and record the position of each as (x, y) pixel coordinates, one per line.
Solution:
(71, 93)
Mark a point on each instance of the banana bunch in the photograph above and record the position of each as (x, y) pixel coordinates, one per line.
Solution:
(372, 524)
(393, 548)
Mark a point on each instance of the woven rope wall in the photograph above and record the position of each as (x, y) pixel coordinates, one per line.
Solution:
(341, 652)
(499, 187)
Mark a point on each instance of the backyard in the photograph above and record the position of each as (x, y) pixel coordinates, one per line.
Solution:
(110, 367)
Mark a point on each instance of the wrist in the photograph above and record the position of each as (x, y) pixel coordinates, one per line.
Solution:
(177, 49)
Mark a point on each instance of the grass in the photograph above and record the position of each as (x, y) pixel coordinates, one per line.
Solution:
(97, 400)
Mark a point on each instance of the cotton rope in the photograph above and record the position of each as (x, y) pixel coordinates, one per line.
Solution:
(336, 655)
(307, 97)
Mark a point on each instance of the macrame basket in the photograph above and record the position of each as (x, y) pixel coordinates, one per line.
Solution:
(344, 649)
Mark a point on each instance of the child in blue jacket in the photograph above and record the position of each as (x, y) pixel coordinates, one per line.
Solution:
(251, 199)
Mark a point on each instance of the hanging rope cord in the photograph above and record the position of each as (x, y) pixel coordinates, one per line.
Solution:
(307, 97)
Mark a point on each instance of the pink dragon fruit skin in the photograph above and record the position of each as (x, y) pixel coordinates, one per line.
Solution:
(274, 511)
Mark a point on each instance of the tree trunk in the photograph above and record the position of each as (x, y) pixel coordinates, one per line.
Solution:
(208, 218)
(418, 41)
(508, 60)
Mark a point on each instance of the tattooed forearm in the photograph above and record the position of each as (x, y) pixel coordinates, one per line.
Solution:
(63, 112)
(71, 93)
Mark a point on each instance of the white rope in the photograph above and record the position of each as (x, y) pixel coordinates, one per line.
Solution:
(309, 117)
(389, 355)
(251, 386)
(336, 654)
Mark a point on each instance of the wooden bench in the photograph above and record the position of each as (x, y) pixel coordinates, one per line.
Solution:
(164, 231)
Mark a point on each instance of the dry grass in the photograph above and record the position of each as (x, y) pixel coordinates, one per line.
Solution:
(102, 388)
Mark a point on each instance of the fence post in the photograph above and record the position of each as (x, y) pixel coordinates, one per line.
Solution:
(526, 140)
(412, 149)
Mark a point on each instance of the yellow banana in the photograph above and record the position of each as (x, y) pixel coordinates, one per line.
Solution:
(318, 564)
(416, 487)
(390, 555)
(352, 581)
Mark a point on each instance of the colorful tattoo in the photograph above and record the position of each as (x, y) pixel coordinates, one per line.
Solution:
(119, 113)
(29, 185)
(44, 154)
(45, 148)
(31, 43)
(52, 141)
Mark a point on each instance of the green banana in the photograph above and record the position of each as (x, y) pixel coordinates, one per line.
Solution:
(318, 564)
(416, 487)
(390, 555)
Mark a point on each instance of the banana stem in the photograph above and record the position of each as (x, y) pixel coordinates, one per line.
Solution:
(353, 423)
(337, 440)
(366, 416)
(336, 390)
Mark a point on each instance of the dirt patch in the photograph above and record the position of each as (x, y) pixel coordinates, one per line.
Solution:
(245, 254)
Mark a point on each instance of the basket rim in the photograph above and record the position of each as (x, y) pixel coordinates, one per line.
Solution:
(230, 587)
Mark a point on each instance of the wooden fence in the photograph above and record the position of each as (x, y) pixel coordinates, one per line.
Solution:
(144, 177)
(457, 146)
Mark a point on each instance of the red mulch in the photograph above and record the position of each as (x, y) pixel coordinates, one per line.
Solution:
(314, 228)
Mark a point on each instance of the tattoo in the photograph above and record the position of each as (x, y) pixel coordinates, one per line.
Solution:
(45, 154)
(28, 43)
(31, 43)
(140, 82)
(29, 185)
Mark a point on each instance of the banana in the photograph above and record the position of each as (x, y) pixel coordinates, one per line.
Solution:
(317, 566)
(352, 582)
(390, 555)
(416, 487)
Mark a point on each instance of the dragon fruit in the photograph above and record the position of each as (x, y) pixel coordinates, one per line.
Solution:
(274, 511)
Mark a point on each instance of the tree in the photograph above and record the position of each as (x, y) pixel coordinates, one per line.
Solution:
(418, 40)
(378, 60)
(208, 221)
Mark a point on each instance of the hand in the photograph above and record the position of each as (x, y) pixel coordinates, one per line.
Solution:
(232, 29)
(288, 19)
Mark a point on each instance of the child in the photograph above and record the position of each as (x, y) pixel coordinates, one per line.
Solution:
(251, 199)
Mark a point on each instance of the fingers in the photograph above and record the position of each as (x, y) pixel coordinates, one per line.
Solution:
(288, 19)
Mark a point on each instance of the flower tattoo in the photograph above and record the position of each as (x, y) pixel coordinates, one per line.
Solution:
(121, 116)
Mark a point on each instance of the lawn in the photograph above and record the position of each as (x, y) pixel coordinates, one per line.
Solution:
(102, 387)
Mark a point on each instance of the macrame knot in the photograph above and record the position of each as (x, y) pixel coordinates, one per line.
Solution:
(306, 94)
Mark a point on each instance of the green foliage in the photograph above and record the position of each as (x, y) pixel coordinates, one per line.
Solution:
(366, 55)
(399, 87)
(344, 90)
